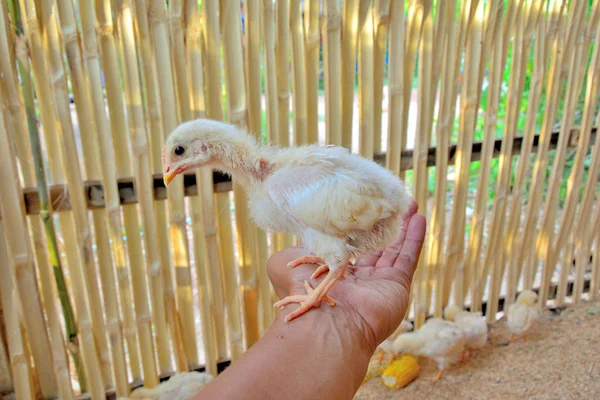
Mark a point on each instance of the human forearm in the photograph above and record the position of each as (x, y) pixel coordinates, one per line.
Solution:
(322, 355)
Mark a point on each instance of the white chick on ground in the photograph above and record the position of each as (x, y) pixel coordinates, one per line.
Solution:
(182, 386)
(522, 315)
(340, 204)
(386, 349)
(442, 341)
(472, 323)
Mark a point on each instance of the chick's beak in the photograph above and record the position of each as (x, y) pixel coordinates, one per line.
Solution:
(169, 174)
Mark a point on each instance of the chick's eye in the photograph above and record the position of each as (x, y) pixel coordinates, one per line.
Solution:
(179, 150)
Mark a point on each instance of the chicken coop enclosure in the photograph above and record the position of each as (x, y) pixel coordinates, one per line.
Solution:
(487, 109)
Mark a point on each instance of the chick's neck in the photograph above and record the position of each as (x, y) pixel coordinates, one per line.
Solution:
(247, 162)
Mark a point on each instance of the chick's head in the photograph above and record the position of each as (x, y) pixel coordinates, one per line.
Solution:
(202, 142)
(527, 297)
(451, 311)
(410, 342)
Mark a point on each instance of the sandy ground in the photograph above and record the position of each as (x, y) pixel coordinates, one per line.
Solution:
(561, 360)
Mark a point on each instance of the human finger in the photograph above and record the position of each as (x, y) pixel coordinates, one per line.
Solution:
(390, 253)
(408, 258)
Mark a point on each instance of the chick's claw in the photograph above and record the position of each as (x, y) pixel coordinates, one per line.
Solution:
(310, 300)
(306, 260)
(322, 269)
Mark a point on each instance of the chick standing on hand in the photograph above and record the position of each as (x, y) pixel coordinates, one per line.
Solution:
(340, 204)
(472, 323)
(443, 341)
(522, 315)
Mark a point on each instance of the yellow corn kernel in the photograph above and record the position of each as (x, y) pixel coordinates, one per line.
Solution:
(401, 372)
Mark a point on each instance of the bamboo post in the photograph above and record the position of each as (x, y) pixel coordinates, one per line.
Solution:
(582, 256)
(253, 84)
(365, 87)
(351, 28)
(214, 110)
(535, 94)
(182, 270)
(138, 321)
(10, 305)
(154, 264)
(381, 13)
(18, 120)
(395, 84)
(538, 177)
(83, 104)
(493, 252)
(584, 233)
(422, 135)
(468, 113)
(443, 127)
(157, 18)
(497, 64)
(203, 277)
(299, 85)
(6, 382)
(332, 57)
(282, 63)
(231, 288)
(75, 181)
(21, 258)
(311, 78)
(245, 232)
(272, 111)
(545, 234)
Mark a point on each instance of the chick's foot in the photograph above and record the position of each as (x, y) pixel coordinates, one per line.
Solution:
(306, 260)
(314, 297)
(322, 269)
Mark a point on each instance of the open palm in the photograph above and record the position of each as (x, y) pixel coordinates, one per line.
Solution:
(376, 289)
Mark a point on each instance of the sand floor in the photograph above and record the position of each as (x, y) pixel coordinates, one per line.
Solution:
(560, 360)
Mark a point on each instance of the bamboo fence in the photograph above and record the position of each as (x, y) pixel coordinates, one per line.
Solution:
(488, 109)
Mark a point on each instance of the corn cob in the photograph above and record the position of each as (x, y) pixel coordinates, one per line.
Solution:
(401, 372)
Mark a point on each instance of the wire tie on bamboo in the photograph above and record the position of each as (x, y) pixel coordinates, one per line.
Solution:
(105, 29)
(144, 319)
(395, 89)
(141, 144)
(69, 35)
(62, 202)
(312, 41)
(123, 276)
(334, 22)
(236, 337)
(22, 261)
(154, 269)
(284, 96)
(113, 325)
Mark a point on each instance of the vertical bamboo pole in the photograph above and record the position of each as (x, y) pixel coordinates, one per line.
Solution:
(497, 64)
(214, 110)
(535, 94)
(21, 258)
(468, 113)
(365, 87)
(395, 86)
(11, 95)
(75, 181)
(140, 320)
(272, 110)
(182, 270)
(311, 79)
(332, 54)
(545, 234)
(582, 256)
(381, 13)
(299, 85)
(350, 31)
(584, 234)
(203, 277)
(443, 127)
(253, 82)
(282, 62)
(84, 111)
(423, 133)
(156, 137)
(237, 114)
(139, 140)
(10, 305)
(6, 380)
(538, 177)
(493, 252)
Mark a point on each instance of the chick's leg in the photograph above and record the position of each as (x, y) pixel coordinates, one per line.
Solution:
(306, 260)
(315, 296)
(439, 375)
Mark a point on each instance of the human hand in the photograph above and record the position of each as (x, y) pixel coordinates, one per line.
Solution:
(374, 295)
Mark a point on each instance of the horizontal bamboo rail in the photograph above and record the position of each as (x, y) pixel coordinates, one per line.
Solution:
(59, 194)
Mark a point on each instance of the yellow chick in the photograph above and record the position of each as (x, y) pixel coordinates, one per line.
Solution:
(523, 314)
(182, 386)
(472, 323)
(442, 341)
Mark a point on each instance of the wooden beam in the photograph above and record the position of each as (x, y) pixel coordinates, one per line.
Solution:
(95, 194)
